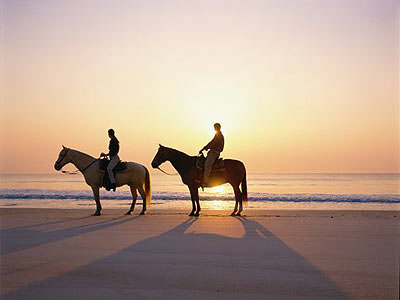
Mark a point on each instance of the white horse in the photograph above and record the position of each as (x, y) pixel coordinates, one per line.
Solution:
(136, 176)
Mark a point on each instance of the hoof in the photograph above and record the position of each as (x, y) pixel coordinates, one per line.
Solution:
(128, 212)
(191, 214)
(233, 214)
(96, 213)
(239, 214)
(197, 214)
(142, 213)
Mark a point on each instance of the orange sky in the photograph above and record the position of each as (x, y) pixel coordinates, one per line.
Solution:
(298, 86)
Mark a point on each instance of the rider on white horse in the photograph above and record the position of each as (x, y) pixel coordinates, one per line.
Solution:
(113, 148)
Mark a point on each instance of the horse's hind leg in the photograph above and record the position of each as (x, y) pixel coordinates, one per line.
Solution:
(193, 198)
(196, 198)
(143, 195)
(235, 209)
(134, 197)
(96, 194)
(240, 196)
(238, 199)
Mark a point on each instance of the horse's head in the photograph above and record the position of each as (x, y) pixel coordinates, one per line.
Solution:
(63, 159)
(162, 156)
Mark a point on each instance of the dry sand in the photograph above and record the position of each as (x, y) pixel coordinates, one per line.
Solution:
(67, 254)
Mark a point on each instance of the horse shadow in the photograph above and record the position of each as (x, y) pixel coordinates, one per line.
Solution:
(25, 237)
(178, 263)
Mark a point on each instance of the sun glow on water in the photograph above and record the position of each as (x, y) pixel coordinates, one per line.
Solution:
(218, 189)
(218, 192)
(217, 204)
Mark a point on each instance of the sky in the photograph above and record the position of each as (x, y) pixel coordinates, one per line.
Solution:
(298, 85)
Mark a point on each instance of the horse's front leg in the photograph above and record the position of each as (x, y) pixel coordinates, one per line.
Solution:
(134, 197)
(193, 191)
(96, 194)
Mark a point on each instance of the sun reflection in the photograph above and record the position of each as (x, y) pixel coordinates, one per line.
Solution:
(218, 189)
(220, 197)
(217, 205)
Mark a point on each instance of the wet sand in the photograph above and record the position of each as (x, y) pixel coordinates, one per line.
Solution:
(68, 254)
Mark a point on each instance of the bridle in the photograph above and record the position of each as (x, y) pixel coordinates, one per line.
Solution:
(62, 157)
(170, 174)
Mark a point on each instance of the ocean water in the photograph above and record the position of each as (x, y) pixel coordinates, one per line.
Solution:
(266, 191)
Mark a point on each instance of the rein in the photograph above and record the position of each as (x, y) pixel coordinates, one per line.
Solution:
(70, 173)
(77, 170)
(167, 173)
(84, 169)
(173, 174)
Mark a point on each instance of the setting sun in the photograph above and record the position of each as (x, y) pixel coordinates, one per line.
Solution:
(286, 104)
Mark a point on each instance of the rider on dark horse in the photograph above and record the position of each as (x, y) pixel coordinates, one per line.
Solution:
(113, 148)
(215, 147)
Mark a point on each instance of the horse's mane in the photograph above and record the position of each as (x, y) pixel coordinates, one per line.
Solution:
(82, 153)
(179, 152)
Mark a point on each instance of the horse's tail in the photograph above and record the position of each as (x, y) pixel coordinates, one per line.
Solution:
(244, 187)
(147, 187)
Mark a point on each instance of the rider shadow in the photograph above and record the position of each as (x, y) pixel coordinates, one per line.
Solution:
(25, 237)
(176, 264)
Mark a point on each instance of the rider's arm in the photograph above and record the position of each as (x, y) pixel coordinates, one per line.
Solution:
(210, 144)
(113, 147)
(109, 149)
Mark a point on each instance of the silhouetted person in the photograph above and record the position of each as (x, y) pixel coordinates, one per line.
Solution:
(215, 147)
(113, 148)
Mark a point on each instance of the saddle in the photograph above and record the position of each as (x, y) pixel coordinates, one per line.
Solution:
(218, 165)
(121, 166)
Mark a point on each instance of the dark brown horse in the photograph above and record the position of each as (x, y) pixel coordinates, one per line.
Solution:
(234, 173)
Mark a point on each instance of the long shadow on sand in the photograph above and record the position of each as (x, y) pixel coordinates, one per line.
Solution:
(179, 265)
(20, 238)
(31, 226)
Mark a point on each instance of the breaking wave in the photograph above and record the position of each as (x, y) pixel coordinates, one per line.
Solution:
(33, 194)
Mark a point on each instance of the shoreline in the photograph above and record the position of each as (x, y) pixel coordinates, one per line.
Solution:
(253, 212)
(216, 205)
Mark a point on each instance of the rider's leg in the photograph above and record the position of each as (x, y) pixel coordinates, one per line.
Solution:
(112, 164)
(212, 156)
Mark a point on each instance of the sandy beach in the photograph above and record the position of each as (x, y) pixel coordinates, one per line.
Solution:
(67, 254)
